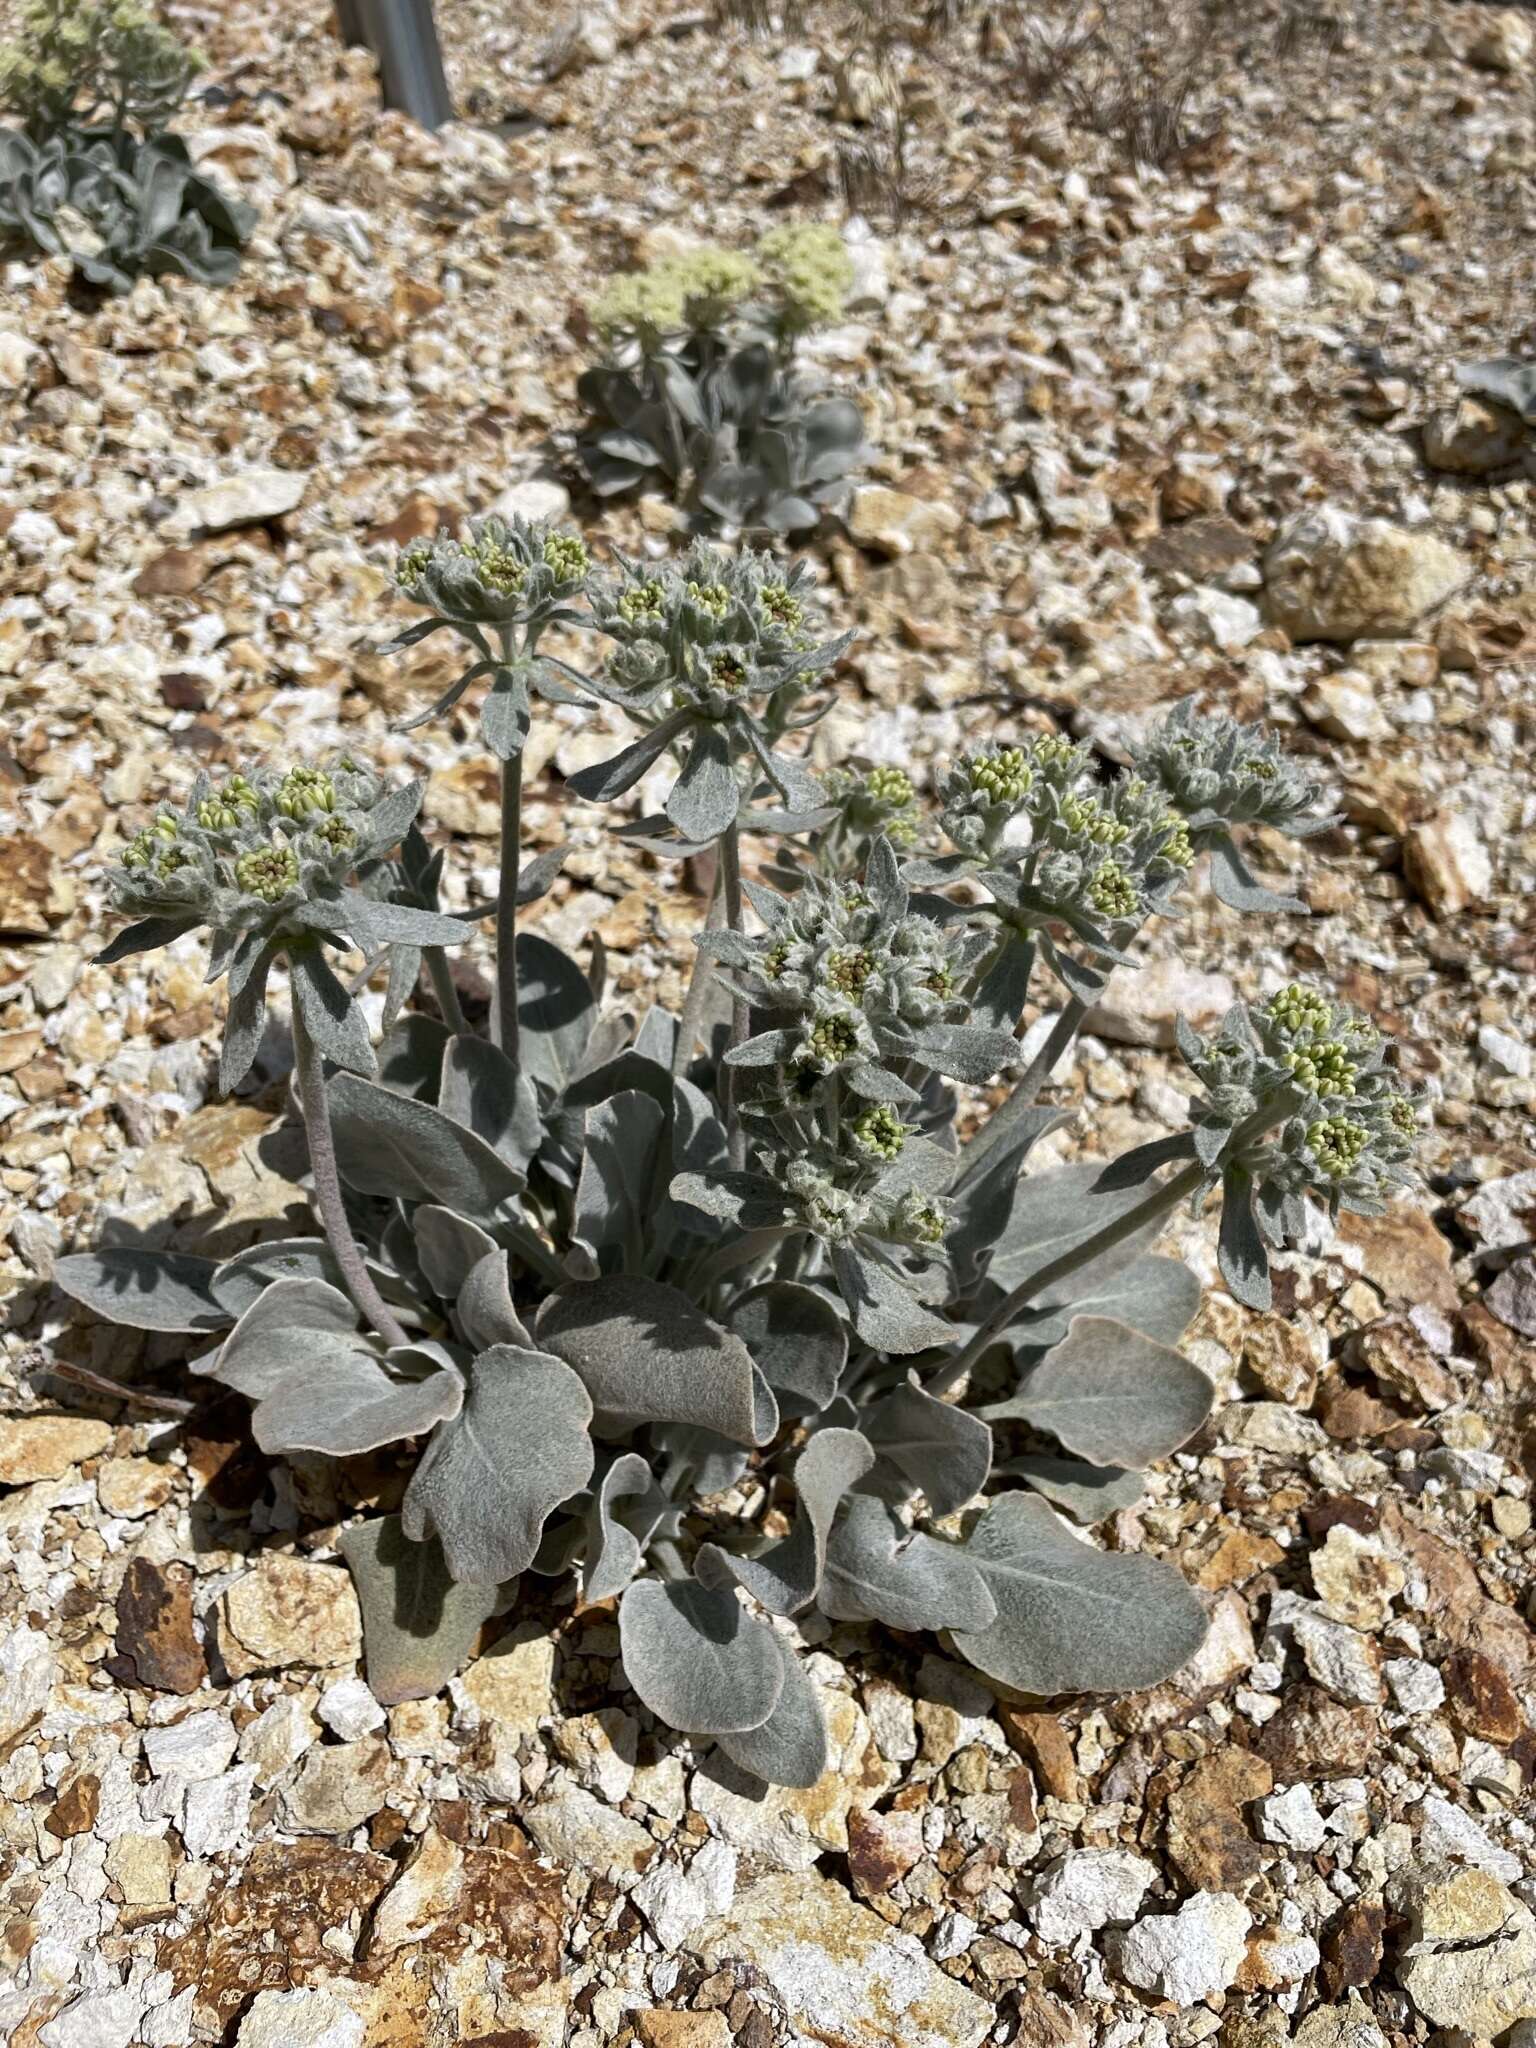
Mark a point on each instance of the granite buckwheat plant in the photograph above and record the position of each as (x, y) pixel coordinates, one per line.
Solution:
(597, 1270)
(698, 387)
(93, 173)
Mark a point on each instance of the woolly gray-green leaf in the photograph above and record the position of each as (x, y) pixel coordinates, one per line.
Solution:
(790, 1747)
(482, 1090)
(785, 1577)
(404, 1150)
(484, 1311)
(1112, 1395)
(356, 1403)
(798, 1339)
(449, 1247)
(750, 1201)
(292, 1325)
(878, 1571)
(1057, 1212)
(886, 1314)
(1159, 1297)
(626, 1511)
(1240, 1252)
(697, 1659)
(238, 1281)
(614, 1194)
(1071, 1618)
(411, 1055)
(705, 798)
(490, 1479)
(246, 1019)
(145, 1290)
(940, 1450)
(555, 1009)
(1088, 1493)
(965, 1052)
(645, 1353)
(608, 779)
(328, 1013)
(419, 1627)
(1233, 883)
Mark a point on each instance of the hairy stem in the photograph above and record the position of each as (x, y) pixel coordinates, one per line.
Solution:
(730, 875)
(506, 907)
(1017, 1105)
(309, 1068)
(1159, 1201)
(700, 981)
(442, 987)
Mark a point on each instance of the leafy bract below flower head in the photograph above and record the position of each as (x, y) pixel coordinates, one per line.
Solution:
(506, 572)
(264, 861)
(718, 650)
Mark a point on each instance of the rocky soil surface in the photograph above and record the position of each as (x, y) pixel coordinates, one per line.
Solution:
(1138, 435)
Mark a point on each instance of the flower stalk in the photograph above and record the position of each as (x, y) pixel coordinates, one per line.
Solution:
(309, 1071)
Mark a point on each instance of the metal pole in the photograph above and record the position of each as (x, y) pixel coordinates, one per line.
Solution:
(403, 36)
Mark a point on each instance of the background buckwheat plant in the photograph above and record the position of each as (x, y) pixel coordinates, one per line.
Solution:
(699, 391)
(93, 172)
(596, 1267)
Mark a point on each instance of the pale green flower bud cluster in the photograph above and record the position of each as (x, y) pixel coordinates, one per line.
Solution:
(1217, 773)
(1299, 1087)
(506, 572)
(855, 980)
(797, 279)
(811, 272)
(840, 1202)
(878, 801)
(716, 633)
(250, 844)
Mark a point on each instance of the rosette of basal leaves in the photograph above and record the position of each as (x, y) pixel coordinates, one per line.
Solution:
(121, 208)
(499, 588)
(1298, 1104)
(699, 391)
(716, 656)
(270, 863)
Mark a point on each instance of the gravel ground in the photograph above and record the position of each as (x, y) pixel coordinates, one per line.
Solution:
(1098, 400)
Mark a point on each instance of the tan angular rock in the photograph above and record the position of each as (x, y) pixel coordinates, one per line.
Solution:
(660, 2029)
(289, 1611)
(1356, 1579)
(513, 1683)
(1139, 1005)
(421, 1897)
(1332, 576)
(339, 1787)
(897, 524)
(1506, 43)
(1446, 862)
(250, 499)
(1472, 1964)
(34, 1447)
(842, 1973)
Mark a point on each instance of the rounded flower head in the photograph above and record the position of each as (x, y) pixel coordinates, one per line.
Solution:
(250, 849)
(1298, 1093)
(504, 573)
(1216, 773)
(811, 273)
(716, 633)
